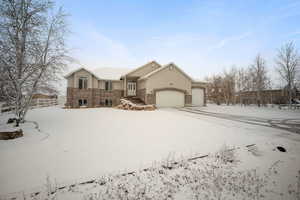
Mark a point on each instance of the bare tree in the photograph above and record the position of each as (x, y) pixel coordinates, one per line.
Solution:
(32, 49)
(228, 85)
(214, 89)
(288, 62)
(241, 82)
(260, 80)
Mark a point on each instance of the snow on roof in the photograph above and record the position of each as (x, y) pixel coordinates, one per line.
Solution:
(197, 80)
(163, 67)
(110, 73)
(136, 69)
(77, 70)
(106, 73)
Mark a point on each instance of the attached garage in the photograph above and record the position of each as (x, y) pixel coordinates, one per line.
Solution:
(169, 98)
(198, 97)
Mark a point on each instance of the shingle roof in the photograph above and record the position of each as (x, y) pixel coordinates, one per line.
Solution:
(105, 73)
(110, 73)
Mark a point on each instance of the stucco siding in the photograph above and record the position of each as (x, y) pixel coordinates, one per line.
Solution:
(168, 78)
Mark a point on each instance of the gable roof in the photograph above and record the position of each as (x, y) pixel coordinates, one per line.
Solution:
(111, 73)
(103, 73)
(136, 69)
(164, 67)
(79, 69)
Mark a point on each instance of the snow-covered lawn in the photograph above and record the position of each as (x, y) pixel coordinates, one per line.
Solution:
(254, 111)
(80, 144)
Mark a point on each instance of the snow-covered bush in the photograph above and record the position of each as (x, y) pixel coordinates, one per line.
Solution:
(214, 177)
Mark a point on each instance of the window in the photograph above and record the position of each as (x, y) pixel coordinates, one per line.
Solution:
(108, 102)
(82, 83)
(108, 85)
(82, 102)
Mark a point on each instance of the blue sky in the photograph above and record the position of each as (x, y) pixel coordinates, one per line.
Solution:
(202, 37)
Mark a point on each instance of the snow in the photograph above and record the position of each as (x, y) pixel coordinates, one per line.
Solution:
(253, 111)
(9, 128)
(111, 73)
(80, 144)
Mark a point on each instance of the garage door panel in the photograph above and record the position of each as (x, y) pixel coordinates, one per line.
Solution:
(197, 97)
(169, 98)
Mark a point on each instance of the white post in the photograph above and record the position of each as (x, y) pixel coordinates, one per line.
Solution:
(125, 86)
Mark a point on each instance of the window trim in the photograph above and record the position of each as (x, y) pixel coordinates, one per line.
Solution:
(109, 86)
(84, 102)
(84, 82)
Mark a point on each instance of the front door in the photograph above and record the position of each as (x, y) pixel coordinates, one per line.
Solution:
(131, 88)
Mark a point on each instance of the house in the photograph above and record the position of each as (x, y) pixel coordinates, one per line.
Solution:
(163, 86)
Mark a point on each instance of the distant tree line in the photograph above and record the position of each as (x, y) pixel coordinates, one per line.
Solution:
(227, 87)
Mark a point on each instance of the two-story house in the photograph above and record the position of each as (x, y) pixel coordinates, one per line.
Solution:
(163, 86)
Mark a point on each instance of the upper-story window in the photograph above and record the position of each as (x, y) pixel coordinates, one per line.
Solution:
(108, 85)
(82, 83)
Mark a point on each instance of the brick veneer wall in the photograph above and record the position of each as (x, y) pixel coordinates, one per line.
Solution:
(93, 96)
(150, 99)
(187, 99)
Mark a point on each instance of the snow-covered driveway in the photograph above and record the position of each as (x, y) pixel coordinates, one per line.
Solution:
(78, 144)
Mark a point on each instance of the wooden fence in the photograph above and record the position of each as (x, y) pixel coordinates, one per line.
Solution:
(36, 103)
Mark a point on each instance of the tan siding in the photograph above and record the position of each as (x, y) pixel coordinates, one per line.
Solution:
(141, 84)
(101, 84)
(167, 78)
(117, 85)
(83, 73)
(198, 84)
(71, 81)
(95, 82)
(145, 70)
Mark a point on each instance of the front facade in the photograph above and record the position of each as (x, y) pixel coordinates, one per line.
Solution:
(163, 86)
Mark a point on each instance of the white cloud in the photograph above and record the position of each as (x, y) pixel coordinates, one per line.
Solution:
(94, 49)
(230, 40)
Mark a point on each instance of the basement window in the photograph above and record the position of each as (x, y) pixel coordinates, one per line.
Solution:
(108, 102)
(82, 102)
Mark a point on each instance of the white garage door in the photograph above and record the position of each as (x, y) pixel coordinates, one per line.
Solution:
(197, 97)
(169, 98)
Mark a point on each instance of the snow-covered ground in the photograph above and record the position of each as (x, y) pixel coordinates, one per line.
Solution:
(253, 111)
(79, 144)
